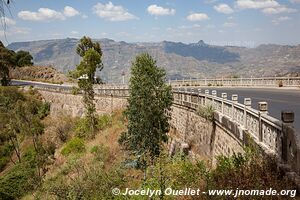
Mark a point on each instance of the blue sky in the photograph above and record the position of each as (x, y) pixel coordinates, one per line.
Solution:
(219, 22)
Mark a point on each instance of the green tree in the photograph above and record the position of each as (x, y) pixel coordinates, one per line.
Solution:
(150, 99)
(20, 116)
(6, 62)
(9, 125)
(91, 61)
(23, 58)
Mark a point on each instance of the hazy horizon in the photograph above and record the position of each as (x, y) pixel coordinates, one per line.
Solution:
(213, 43)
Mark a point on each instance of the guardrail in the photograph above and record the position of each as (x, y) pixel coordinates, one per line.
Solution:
(112, 90)
(259, 82)
(276, 137)
(264, 129)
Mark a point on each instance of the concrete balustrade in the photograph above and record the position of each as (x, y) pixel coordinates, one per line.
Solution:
(255, 82)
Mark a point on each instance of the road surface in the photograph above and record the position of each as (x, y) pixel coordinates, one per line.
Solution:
(278, 99)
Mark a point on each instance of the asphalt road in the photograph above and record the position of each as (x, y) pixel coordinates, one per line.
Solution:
(278, 99)
(30, 83)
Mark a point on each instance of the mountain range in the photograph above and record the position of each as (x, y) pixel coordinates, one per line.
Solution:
(194, 60)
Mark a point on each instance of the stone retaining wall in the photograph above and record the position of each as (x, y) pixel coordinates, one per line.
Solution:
(72, 104)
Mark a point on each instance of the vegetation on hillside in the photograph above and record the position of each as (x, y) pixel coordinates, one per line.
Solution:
(39, 73)
(93, 171)
(21, 115)
(10, 59)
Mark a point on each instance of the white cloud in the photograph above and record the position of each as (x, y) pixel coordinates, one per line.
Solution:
(70, 12)
(266, 6)
(159, 11)
(210, 1)
(43, 14)
(256, 4)
(7, 21)
(21, 30)
(74, 32)
(280, 19)
(277, 10)
(112, 13)
(15, 31)
(229, 24)
(84, 16)
(47, 14)
(194, 26)
(223, 8)
(197, 17)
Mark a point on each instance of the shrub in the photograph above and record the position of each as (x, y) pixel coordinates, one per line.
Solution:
(206, 112)
(5, 152)
(3, 161)
(83, 128)
(280, 83)
(177, 172)
(209, 84)
(44, 110)
(14, 184)
(75, 145)
(91, 183)
(247, 171)
(100, 152)
(18, 180)
(104, 121)
(75, 90)
(63, 127)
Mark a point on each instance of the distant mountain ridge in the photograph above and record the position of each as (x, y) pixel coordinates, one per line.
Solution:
(194, 60)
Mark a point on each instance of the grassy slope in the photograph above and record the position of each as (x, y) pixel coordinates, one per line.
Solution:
(94, 175)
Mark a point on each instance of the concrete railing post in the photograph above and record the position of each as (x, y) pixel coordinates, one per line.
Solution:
(263, 110)
(206, 94)
(214, 93)
(287, 118)
(247, 104)
(234, 99)
(224, 97)
(200, 100)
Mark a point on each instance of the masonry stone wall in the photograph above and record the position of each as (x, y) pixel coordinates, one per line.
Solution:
(72, 104)
(205, 139)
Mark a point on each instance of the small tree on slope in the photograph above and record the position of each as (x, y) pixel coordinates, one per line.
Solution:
(149, 100)
(91, 54)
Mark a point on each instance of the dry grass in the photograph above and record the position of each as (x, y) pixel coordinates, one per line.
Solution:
(39, 73)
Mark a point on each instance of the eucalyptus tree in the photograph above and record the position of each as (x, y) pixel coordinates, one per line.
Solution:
(91, 54)
(148, 104)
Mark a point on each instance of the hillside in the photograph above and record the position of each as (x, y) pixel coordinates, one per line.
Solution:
(180, 60)
(39, 73)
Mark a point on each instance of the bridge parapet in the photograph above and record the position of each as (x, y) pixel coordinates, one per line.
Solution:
(107, 90)
(255, 82)
(275, 137)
